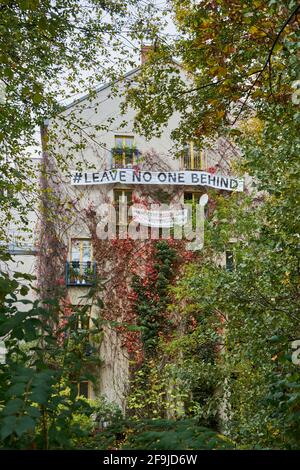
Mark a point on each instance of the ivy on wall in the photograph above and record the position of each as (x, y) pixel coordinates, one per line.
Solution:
(152, 297)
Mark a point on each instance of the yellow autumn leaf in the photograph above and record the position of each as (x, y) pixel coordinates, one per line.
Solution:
(213, 102)
(253, 30)
(220, 113)
(251, 126)
(257, 31)
(205, 23)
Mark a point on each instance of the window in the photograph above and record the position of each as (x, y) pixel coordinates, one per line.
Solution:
(124, 152)
(81, 250)
(192, 198)
(83, 322)
(122, 196)
(80, 270)
(82, 317)
(229, 261)
(84, 389)
(192, 157)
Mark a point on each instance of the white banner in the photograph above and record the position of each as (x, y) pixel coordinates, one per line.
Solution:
(157, 218)
(185, 178)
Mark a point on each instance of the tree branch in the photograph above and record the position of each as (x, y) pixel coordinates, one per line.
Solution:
(268, 60)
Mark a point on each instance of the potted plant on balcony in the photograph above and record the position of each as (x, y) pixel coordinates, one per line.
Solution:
(89, 273)
(124, 153)
(81, 279)
(73, 273)
(117, 152)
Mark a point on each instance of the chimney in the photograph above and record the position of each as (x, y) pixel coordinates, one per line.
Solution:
(145, 50)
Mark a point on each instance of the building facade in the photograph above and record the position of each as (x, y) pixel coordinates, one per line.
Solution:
(108, 164)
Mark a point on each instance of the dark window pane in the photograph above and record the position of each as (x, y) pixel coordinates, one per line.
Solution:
(188, 198)
(84, 389)
(187, 156)
(197, 158)
(229, 261)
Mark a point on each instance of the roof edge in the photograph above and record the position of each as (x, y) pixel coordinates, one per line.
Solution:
(101, 88)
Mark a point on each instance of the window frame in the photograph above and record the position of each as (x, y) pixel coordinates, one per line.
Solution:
(81, 240)
(196, 195)
(89, 389)
(193, 193)
(229, 265)
(123, 192)
(191, 158)
(78, 323)
(123, 147)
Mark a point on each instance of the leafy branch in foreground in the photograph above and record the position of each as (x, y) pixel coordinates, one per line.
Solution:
(47, 357)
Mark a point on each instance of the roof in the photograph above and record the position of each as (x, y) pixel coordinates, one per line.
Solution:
(101, 88)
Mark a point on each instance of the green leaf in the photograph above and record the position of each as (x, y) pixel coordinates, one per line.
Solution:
(33, 411)
(24, 424)
(24, 290)
(17, 389)
(8, 426)
(13, 406)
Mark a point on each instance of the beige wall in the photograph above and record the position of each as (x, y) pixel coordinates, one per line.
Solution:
(113, 376)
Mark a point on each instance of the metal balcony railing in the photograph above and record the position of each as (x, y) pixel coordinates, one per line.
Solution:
(18, 242)
(124, 157)
(80, 274)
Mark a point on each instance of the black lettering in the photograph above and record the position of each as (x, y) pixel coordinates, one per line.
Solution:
(137, 176)
(123, 176)
(224, 182)
(113, 175)
(233, 184)
(211, 180)
(104, 176)
(181, 177)
(86, 178)
(195, 178)
(203, 178)
(172, 177)
(147, 176)
(96, 177)
(162, 177)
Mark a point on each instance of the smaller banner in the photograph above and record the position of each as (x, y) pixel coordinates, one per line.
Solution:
(159, 219)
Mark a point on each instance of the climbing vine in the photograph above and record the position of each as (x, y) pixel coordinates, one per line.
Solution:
(151, 294)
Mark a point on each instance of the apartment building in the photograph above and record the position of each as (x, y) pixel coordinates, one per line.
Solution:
(109, 163)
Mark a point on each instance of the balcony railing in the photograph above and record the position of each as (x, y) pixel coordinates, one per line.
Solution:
(80, 274)
(17, 242)
(124, 157)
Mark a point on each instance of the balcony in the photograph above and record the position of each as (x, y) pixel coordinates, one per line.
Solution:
(19, 243)
(124, 157)
(80, 273)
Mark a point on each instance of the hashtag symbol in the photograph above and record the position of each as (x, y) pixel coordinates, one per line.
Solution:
(77, 178)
